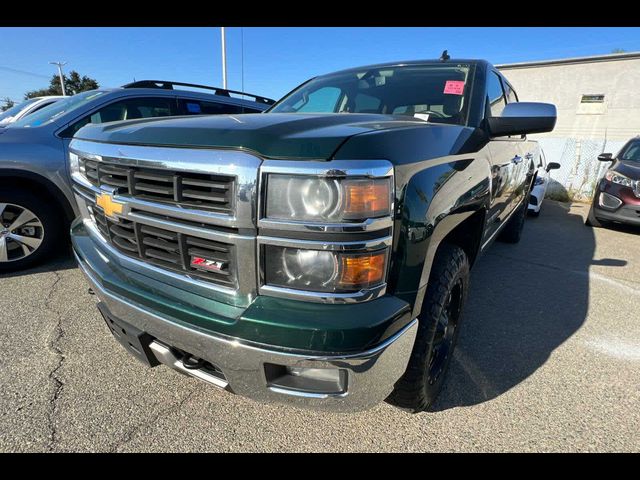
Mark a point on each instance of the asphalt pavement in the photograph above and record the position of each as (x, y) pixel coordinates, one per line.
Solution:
(548, 360)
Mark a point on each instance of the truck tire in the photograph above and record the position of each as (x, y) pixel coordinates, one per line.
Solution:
(591, 220)
(438, 327)
(30, 242)
(512, 232)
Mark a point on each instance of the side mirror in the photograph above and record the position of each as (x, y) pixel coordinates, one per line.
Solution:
(605, 157)
(523, 117)
(552, 166)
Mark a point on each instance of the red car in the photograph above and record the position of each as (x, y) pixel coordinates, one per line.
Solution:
(617, 196)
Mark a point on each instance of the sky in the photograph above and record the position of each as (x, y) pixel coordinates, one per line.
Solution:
(275, 59)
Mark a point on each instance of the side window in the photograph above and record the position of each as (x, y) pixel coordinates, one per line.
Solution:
(495, 95)
(129, 109)
(199, 107)
(322, 100)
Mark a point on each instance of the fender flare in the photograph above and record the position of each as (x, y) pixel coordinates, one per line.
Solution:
(50, 187)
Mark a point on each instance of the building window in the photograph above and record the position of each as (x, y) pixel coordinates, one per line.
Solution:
(592, 99)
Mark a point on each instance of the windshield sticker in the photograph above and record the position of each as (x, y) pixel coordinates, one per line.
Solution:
(454, 87)
(422, 116)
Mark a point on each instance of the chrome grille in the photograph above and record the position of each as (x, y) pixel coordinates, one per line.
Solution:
(191, 190)
(168, 249)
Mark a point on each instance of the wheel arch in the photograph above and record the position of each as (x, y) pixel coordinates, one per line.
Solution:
(25, 179)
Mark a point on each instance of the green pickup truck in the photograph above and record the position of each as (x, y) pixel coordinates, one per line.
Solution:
(318, 253)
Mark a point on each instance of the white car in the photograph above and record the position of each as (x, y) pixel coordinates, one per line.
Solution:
(25, 108)
(540, 185)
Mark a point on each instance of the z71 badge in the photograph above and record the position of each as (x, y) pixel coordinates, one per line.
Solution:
(201, 263)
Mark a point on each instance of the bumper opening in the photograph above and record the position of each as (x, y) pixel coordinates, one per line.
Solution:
(305, 381)
(609, 201)
(135, 341)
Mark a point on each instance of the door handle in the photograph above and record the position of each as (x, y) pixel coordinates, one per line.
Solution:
(517, 159)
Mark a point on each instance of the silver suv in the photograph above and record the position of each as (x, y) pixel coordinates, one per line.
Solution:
(36, 201)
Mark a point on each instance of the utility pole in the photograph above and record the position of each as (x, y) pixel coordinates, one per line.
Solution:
(60, 64)
(224, 59)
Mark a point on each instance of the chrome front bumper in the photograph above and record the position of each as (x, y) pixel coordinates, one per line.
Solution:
(370, 375)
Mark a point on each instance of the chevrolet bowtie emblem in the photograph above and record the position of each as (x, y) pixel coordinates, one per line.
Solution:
(108, 204)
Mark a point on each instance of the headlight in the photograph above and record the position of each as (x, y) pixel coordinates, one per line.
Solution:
(323, 271)
(325, 229)
(616, 177)
(326, 199)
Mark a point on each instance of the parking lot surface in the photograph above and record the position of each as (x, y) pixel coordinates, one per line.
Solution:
(548, 360)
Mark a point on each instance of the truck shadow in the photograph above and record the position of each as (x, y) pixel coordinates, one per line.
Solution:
(525, 300)
(62, 259)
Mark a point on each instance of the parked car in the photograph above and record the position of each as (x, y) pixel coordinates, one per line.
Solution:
(36, 201)
(25, 108)
(540, 184)
(617, 194)
(316, 254)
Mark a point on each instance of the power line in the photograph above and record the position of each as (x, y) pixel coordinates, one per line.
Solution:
(23, 72)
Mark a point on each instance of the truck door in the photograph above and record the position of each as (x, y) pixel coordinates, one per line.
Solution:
(506, 159)
(528, 154)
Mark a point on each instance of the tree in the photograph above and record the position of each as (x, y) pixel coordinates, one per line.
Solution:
(618, 50)
(73, 84)
(8, 103)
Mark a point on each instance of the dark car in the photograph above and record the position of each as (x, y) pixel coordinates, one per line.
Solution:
(617, 195)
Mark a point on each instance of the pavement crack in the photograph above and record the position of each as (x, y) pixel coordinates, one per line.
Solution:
(167, 411)
(54, 347)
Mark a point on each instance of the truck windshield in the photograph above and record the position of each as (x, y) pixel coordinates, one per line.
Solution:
(54, 111)
(631, 153)
(433, 92)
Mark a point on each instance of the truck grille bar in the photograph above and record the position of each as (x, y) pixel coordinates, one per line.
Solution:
(191, 190)
(168, 249)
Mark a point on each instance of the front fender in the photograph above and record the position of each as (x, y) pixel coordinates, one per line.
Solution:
(434, 201)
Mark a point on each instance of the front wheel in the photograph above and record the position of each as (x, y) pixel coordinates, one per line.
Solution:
(438, 327)
(29, 229)
(591, 220)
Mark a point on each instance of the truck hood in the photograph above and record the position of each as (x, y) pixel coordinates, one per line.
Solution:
(271, 135)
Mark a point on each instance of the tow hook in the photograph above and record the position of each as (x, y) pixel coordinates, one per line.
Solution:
(169, 357)
(192, 363)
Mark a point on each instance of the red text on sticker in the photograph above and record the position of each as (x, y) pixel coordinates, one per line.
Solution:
(454, 87)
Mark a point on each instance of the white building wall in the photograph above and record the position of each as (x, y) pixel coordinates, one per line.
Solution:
(582, 131)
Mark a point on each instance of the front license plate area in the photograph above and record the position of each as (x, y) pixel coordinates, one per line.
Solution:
(135, 341)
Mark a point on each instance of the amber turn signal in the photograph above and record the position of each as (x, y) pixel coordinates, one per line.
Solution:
(361, 271)
(368, 198)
